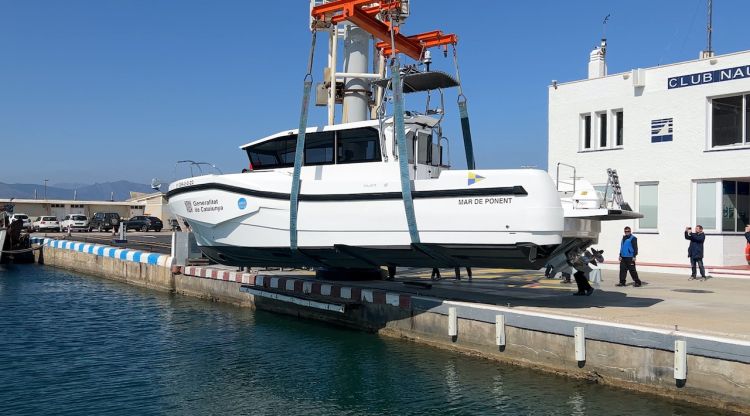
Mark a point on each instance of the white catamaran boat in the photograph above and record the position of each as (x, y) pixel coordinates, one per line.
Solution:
(371, 193)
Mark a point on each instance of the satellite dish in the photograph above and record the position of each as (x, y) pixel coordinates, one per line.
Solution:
(155, 184)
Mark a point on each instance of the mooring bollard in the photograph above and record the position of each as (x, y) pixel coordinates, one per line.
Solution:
(452, 322)
(680, 360)
(580, 340)
(122, 238)
(500, 330)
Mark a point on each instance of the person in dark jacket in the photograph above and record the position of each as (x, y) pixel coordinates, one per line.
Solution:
(695, 250)
(584, 287)
(628, 251)
(747, 234)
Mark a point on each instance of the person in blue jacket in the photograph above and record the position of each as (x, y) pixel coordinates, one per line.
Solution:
(628, 251)
(695, 250)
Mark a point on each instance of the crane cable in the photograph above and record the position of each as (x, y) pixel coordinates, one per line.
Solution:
(464, 115)
(299, 153)
(398, 126)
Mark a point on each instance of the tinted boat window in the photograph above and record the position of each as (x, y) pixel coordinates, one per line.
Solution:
(318, 148)
(424, 142)
(354, 146)
(277, 153)
(358, 145)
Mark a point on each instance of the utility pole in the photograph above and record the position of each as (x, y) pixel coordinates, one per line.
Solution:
(45, 189)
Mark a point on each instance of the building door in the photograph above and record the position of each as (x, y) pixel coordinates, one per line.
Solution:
(58, 210)
(136, 210)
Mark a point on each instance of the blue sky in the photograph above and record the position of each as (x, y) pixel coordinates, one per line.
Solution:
(100, 90)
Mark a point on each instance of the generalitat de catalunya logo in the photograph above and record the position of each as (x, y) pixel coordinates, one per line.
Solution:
(189, 206)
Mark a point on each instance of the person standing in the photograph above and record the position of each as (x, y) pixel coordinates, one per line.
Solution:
(747, 233)
(628, 252)
(695, 250)
(584, 287)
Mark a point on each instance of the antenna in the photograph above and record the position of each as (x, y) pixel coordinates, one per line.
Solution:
(710, 28)
(156, 184)
(603, 45)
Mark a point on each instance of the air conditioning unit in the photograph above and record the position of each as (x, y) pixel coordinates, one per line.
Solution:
(639, 77)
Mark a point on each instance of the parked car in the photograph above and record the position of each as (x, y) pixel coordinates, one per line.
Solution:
(74, 222)
(46, 223)
(105, 221)
(21, 217)
(144, 223)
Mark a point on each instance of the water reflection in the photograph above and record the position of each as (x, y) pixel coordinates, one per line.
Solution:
(72, 344)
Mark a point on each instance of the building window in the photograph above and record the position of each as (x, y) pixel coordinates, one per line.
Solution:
(648, 206)
(586, 131)
(619, 130)
(735, 204)
(705, 205)
(729, 121)
(602, 130)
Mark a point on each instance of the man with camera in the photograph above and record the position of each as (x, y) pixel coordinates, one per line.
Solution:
(695, 251)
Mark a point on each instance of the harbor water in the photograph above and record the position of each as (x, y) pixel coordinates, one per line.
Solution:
(72, 344)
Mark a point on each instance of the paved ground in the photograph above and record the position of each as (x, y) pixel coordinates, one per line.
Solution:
(716, 307)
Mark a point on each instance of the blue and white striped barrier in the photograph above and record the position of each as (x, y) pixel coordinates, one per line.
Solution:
(137, 256)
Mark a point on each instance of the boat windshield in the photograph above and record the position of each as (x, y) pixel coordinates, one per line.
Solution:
(357, 145)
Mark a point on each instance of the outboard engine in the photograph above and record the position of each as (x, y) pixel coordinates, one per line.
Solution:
(578, 258)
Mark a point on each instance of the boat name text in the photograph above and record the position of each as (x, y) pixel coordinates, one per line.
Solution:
(495, 200)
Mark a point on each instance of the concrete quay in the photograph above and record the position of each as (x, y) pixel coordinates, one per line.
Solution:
(627, 337)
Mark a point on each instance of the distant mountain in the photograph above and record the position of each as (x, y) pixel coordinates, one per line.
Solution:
(69, 185)
(95, 192)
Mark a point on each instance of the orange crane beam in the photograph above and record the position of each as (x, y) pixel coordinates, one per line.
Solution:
(425, 40)
(357, 12)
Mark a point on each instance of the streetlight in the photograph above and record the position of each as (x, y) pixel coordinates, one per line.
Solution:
(45, 189)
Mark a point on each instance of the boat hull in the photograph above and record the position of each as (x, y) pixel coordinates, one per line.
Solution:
(512, 219)
(340, 256)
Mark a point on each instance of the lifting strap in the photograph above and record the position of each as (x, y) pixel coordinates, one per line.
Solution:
(398, 126)
(463, 112)
(300, 150)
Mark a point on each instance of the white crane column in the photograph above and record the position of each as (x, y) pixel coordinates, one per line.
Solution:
(356, 59)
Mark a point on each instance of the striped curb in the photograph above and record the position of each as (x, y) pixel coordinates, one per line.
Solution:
(136, 256)
(216, 274)
(304, 287)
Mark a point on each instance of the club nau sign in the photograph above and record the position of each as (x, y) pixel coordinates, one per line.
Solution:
(709, 77)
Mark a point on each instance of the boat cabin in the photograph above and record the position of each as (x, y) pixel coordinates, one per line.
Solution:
(360, 142)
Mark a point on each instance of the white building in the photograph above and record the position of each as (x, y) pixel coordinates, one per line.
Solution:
(679, 137)
(60, 207)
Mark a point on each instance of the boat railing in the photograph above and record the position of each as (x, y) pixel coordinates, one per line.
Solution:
(571, 184)
(202, 168)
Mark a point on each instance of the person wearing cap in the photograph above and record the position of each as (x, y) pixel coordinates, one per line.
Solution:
(628, 252)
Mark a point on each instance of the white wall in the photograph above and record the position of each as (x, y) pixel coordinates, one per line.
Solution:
(674, 165)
